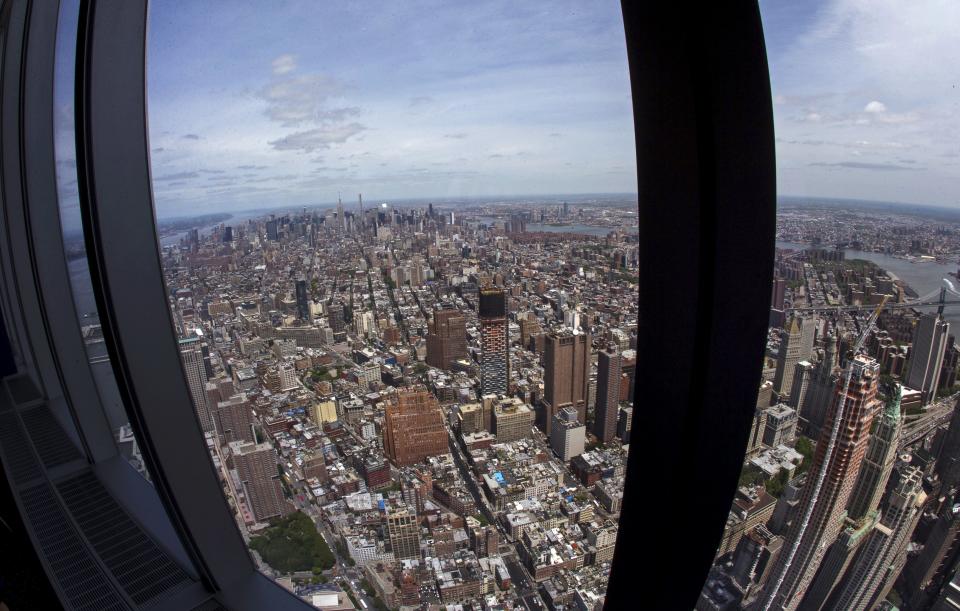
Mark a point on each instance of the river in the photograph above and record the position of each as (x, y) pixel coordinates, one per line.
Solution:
(922, 277)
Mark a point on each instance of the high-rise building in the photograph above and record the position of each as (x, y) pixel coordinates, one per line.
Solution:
(512, 420)
(235, 420)
(837, 559)
(781, 426)
(948, 459)
(413, 427)
(754, 556)
(608, 395)
(830, 480)
(819, 395)
(273, 231)
(335, 317)
(404, 533)
(191, 355)
(447, 338)
(341, 221)
(883, 555)
(567, 434)
(494, 342)
(879, 460)
(926, 356)
(485, 541)
(778, 294)
(927, 572)
(625, 424)
(256, 466)
(475, 417)
(802, 374)
(303, 302)
(796, 344)
(566, 373)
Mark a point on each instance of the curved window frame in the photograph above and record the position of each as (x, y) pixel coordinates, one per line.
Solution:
(704, 135)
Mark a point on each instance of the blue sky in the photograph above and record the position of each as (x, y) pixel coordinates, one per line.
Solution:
(412, 99)
(866, 98)
(252, 108)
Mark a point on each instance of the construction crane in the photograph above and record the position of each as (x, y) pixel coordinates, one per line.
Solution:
(827, 457)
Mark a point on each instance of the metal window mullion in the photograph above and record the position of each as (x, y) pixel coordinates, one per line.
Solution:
(117, 206)
(20, 292)
(45, 238)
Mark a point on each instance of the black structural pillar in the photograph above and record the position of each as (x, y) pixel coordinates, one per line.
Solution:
(707, 196)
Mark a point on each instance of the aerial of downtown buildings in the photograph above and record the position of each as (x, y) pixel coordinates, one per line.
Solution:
(449, 396)
(446, 393)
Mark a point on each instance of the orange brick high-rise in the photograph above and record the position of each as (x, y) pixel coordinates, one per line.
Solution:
(413, 427)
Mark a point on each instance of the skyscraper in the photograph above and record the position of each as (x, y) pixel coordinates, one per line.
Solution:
(884, 553)
(830, 480)
(191, 355)
(341, 221)
(862, 513)
(335, 317)
(494, 342)
(303, 304)
(256, 466)
(879, 460)
(819, 395)
(926, 356)
(948, 460)
(927, 572)
(404, 534)
(512, 420)
(235, 420)
(608, 394)
(413, 427)
(796, 344)
(566, 371)
(567, 434)
(447, 338)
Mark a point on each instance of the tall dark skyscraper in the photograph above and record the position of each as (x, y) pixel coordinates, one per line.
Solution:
(273, 230)
(494, 342)
(567, 370)
(447, 339)
(824, 497)
(883, 555)
(608, 394)
(303, 303)
(335, 317)
(191, 355)
(926, 356)
(820, 389)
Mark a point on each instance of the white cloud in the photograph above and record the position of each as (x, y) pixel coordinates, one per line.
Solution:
(875, 107)
(302, 99)
(284, 64)
(320, 138)
(814, 117)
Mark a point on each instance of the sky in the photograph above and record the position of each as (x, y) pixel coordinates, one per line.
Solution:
(254, 108)
(866, 98)
(392, 99)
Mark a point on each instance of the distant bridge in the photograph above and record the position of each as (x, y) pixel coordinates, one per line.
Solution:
(933, 298)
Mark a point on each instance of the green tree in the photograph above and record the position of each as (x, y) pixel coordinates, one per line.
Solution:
(293, 544)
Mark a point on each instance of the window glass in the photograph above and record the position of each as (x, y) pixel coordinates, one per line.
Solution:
(72, 232)
(400, 248)
(846, 497)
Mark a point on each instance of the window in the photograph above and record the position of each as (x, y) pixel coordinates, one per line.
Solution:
(368, 385)
(400, 252)
(848, 466)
